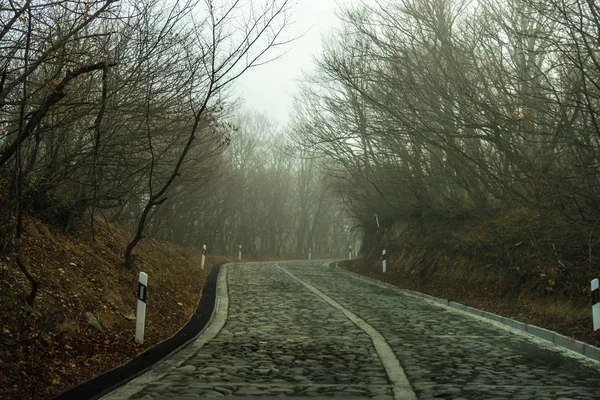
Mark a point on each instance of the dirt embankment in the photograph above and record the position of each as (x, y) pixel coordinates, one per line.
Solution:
(56, 345)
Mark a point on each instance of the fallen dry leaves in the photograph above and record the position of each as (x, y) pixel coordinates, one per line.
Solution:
(48, 349)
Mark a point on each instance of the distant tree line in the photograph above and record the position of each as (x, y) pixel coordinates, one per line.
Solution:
(263, 196)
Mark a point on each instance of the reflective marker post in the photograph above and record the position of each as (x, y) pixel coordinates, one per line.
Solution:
(309, 255)
(140, 320)
(240, 253)
(203, 256)
(350, 253)
(596, 304)
(384, 260)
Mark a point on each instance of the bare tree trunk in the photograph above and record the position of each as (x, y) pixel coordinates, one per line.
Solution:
(97, 128)
(19, 181)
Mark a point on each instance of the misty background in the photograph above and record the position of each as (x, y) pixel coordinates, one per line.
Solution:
(287, 126)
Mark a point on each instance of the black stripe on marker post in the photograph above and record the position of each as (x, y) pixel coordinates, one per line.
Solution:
(595, 296)
(142, 291)
(203, 252)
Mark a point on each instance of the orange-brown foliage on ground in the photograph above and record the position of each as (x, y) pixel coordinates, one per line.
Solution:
(53, 347)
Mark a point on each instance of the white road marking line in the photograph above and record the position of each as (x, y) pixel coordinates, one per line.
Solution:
(402, 388)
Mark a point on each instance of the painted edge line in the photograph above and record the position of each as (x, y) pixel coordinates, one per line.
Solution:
(565, 342)
(118, 376)
(402, 388)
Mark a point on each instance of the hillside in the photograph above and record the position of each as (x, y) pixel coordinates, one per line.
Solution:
(55, 346)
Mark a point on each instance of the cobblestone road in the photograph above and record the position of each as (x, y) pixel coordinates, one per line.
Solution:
(301, 329)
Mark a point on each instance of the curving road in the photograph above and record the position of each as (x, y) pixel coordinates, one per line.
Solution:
(302, 329)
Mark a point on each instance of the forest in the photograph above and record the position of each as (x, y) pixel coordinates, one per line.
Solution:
(471, 126)
(466, 126)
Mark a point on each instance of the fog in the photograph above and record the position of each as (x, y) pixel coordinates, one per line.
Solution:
(210, 125)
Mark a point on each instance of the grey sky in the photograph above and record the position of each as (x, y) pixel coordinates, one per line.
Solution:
(269, 89)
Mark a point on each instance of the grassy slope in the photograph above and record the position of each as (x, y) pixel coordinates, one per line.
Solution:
(53, 348)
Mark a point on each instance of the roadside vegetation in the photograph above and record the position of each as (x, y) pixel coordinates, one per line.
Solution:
(82, 322)
(122, 150)
(471, 129)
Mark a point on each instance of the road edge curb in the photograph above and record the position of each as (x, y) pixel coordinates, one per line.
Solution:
(110, 380)
(562, 341)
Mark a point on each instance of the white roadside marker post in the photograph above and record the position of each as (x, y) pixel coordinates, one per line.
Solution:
(384, 260)
(203, 256)
(350, 253)
(596, 304)
(140, 320)
(240, 253)
(377, 220)
(309, 254)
